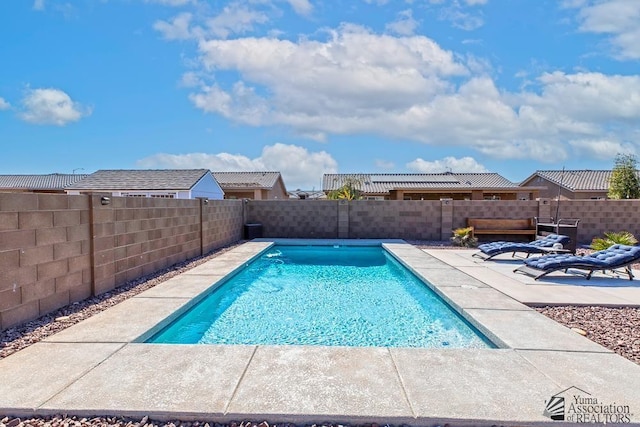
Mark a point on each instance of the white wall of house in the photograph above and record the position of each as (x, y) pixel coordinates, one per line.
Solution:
(207, 187)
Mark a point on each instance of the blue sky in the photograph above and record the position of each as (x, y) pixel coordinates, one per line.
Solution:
(308, 87)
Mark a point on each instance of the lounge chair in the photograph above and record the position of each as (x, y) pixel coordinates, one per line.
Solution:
(615, 257)
(543, 245)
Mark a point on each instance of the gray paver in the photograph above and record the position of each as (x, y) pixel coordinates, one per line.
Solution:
(495, 385)
(340, 381)
(182, 286)
(38, 372)
(607, 377)
(475, 297)
(154, 378)
(455, 258)
(530, 330)
(215, 267)
(440, 277)
(123, 322)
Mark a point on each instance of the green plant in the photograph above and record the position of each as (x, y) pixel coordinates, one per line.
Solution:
(610, 239)
(348, 191)
(464, 237)
(624, 182)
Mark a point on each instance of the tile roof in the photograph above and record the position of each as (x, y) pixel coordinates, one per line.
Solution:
(228, 180)
(578, 180)
(141, 179)
(383, 183)
(54, 181)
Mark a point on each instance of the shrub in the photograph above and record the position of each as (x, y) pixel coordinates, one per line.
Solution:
(610, 239)
(464, 237)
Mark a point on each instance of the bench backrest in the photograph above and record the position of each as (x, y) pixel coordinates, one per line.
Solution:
(500, 224)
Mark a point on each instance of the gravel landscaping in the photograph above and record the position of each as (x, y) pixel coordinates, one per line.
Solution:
(615, 328)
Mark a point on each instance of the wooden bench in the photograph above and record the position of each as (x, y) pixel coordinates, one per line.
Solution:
(495, 226)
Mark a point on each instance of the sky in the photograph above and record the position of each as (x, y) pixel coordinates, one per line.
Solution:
(308, 87)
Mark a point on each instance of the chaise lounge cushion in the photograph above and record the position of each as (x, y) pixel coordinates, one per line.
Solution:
(489, 250)
(614, 257)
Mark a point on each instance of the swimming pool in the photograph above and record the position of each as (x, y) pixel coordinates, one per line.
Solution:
(357, 296)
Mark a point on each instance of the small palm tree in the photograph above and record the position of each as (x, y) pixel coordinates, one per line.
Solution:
(464, 237)
(610, 239)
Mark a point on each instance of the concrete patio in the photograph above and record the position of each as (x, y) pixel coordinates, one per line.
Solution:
(101, 365)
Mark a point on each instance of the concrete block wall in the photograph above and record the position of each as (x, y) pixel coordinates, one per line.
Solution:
(44, 254)
(222, 223)
(600, 216)
(57, 249)
(402, 219)
(309, 219)
(519, 209)
(137, 236)
(430, 219)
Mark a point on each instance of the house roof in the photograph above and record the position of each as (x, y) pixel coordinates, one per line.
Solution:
(141, 179)
(54, 181)
(576, 180)
(383, 183)
(229, 180)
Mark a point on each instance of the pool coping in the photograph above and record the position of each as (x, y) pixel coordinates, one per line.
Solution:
(100, 366)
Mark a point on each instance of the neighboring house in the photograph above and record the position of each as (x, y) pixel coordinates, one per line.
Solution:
(431, 186)
(51, 183)
(570, 184)
(162, 183)
(307, 195)
(252, 185)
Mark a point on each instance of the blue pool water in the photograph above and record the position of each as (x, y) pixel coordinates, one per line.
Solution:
(323, 295)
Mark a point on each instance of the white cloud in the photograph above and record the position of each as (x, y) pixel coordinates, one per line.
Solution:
(462, 20)
(404, 25)
(318, 87)
(301, 7)
(190, 79)
(235, 18)
(4, 105)
(619, 19)
(177, 28)
(51, 107)
(299, 167)
(356, 82)
(460, 13)
(174, 3)
(601, 148)
(384, 164)
(448, 164)
(38, 5)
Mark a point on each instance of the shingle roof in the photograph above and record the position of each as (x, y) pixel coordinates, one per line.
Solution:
(383, 183)
(54, 181)
(143, 179)
(228, 180)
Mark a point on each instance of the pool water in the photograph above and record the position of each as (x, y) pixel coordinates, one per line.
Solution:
(323, 295)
